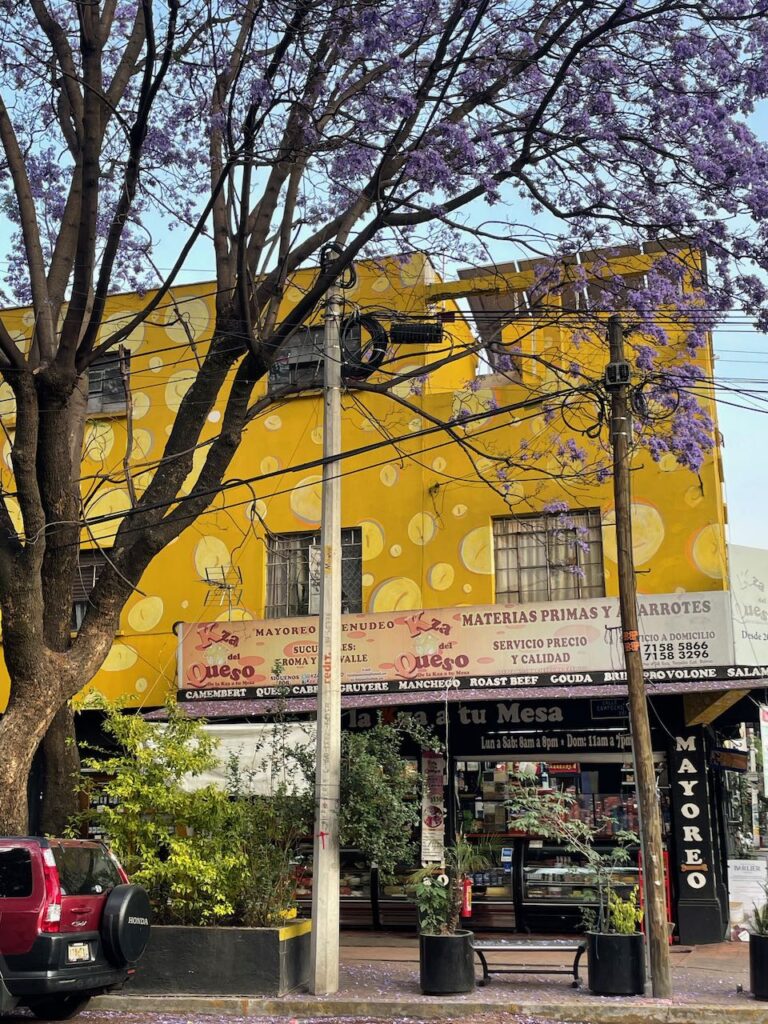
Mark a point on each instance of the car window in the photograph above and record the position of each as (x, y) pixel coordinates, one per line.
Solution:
(15, 873)
(85, 870)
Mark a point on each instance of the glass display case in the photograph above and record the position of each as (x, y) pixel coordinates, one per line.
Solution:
(395, 906)
(555, 884)
(355, 886)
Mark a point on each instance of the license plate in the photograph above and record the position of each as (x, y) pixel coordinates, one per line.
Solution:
(77, 952)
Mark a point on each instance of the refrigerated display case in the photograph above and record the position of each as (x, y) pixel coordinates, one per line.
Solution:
(555, 885)
(356, 887)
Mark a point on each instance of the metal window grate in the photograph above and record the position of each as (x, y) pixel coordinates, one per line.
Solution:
(293, 573)
(89, 567)
(548, 557)
(300, 361)
(106, 387)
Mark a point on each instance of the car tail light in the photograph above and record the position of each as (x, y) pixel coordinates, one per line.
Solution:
(120, 869)
(52, 908)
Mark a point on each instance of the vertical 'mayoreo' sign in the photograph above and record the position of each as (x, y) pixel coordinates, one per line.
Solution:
(699, 911)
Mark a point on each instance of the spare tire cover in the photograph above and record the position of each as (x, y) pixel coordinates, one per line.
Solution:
(125, 925)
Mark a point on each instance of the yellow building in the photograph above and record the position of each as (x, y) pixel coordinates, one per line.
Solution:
(431, 518)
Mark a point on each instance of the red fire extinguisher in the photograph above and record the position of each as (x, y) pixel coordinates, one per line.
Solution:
(466, 897)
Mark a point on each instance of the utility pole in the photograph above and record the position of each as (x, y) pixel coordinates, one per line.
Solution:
(324, 949)
(617, 376)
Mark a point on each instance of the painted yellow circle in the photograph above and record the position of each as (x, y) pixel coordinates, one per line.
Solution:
(389, 475)
(395, 595)
(99, 440)
(235, 615)
(708, 551)
(412, 272)
(110, 503)
(475, 551)
(373, 539)
(14, 511)
(395, 551)
(120, 657)
(693, 496)
(381, 284)
(115, 321)
(439, 464)
(668, 463)
(441, 576)
(368, 579)
(273, 423)
(7, 451)
(404, 388)
(269, 464)
(141, 685)
(306, 499)
(459, 511)
(467, 588)
(142, 444)
(422, 528)
(156, 364)
(647, 532)
(214, 416)
(145, 614)
(140, 405)
(415, 424)
(186, 319)
(255, 510)
(211, 553)
(178, 385)
(317, 435)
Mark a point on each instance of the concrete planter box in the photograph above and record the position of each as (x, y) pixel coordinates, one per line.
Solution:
(224, 961)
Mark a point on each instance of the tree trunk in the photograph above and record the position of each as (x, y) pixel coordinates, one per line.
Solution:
(61, 773)
(22, 728)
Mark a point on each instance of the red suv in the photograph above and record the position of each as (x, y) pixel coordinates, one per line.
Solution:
(71, 926)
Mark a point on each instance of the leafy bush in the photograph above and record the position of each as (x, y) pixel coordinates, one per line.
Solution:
(624, 915)
(226, 855)
(760, 916)
(205, 856)
(438, 891)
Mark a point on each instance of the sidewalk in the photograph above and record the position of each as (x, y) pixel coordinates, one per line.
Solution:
(380, 978)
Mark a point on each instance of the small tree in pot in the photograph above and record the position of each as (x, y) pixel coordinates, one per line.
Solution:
(446, 963)
(758, 951)
(615, 945)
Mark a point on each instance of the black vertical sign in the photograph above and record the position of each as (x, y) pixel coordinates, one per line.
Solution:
(699, 912)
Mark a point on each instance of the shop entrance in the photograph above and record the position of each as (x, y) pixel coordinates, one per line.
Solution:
(533, 884)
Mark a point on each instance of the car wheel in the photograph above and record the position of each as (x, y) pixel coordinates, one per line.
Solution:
(125, 924)
(58, 1007)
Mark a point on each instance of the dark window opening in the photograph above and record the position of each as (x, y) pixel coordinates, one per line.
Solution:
(294, 574)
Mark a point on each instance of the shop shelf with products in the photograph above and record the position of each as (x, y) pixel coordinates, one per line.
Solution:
(356, 887)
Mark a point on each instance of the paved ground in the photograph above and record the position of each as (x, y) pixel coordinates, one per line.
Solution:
(379, 980)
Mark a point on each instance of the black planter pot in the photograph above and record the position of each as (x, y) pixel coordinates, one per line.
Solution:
(185, 960)
(446, 963)
(616, 964)
(758, 966)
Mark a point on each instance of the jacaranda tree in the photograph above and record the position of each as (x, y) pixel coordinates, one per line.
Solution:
(268, 130)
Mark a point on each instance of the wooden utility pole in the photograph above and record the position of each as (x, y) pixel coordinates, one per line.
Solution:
(617, 378)
(324, 949)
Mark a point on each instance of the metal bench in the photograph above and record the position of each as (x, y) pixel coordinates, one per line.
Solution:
(483, 946)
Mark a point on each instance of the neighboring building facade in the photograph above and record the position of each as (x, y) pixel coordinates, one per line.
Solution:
(459, 521)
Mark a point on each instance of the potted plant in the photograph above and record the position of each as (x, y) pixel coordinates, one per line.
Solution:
(615, 946)
(758, 952)
(446, 956)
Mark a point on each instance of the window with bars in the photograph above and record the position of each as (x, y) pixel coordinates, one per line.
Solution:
(548, 557)
(294, 573)
(106, 387)
(300, 362)
(90, 564)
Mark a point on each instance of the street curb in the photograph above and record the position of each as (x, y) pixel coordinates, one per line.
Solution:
(592, 1011)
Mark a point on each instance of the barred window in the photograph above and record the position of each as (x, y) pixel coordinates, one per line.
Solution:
(294, 573)
(106, 387)
(90, 564)
(300, 362)
(548, 557)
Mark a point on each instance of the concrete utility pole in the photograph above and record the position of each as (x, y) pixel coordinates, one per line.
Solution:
(617, 383)
(324, 950)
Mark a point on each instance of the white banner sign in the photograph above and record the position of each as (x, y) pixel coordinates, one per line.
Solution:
(432, 808)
